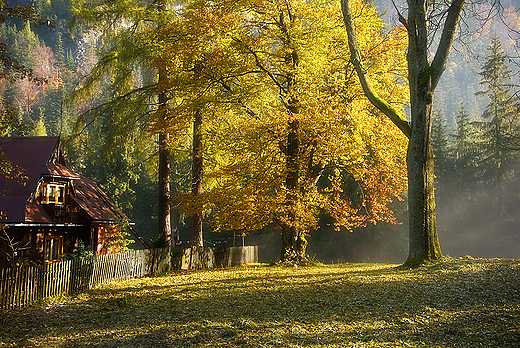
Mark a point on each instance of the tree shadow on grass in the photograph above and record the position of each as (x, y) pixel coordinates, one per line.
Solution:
(443, 306)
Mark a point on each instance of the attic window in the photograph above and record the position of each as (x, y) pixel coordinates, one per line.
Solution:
(53, 193)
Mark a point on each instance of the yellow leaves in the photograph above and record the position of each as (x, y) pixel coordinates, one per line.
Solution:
(255, 66)
(458, 302)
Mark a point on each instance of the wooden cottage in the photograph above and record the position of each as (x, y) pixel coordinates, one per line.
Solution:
(49, 208)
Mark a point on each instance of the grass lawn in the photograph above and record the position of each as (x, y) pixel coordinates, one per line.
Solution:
(455, 303)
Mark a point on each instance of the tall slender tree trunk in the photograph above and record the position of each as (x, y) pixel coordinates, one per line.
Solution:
(294, 243)
(164, 163)
(164, 176)
(196, 183)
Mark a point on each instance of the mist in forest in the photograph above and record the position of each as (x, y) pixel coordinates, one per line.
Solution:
(381, 243)
(480, 224)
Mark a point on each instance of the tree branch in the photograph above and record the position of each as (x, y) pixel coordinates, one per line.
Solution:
(446, 41)
(379, 103)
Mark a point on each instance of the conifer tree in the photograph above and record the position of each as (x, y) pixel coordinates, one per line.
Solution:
(500, 129)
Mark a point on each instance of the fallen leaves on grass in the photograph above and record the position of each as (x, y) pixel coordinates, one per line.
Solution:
(455, 303)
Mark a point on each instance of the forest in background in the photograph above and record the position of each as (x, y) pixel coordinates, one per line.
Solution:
(476, 150)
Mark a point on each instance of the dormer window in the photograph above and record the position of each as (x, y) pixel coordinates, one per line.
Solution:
(53, 193)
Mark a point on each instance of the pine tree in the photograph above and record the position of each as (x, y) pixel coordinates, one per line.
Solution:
(500, 128)
(60, 52)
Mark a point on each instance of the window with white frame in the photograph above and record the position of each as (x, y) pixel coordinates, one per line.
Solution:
(53, 193)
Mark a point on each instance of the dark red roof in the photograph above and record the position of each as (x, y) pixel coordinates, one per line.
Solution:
(40, 156)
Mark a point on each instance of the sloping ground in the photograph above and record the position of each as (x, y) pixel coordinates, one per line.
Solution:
(456, 303)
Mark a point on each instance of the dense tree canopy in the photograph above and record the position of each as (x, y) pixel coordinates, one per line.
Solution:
(288, 134)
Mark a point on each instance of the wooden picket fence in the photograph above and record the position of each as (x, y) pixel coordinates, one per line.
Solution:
(20, 286)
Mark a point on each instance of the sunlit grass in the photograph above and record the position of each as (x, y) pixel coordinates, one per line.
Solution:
(456, 303)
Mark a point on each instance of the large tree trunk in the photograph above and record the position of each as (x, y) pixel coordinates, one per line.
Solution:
(423, 240)
(294, 243)
(196, 183)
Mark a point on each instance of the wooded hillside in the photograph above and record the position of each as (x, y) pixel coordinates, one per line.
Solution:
(268, 131)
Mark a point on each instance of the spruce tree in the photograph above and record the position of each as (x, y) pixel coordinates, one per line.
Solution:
(499, 126)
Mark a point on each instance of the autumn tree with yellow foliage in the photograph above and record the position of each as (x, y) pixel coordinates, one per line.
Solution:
(281, 129)
(290, 135)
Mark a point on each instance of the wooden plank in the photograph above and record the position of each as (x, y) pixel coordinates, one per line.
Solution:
(66, 275)
(23, 286)
(48, 280)
(9, 287)
(26, 286)
(41, 282)
(29, 285)
(3, 288)
(57, 280)
(16, 287)
(12, 288)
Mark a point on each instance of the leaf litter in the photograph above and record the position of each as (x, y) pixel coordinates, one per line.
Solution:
(461, 302)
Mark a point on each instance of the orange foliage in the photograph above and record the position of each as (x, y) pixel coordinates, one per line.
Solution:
(230, 59)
